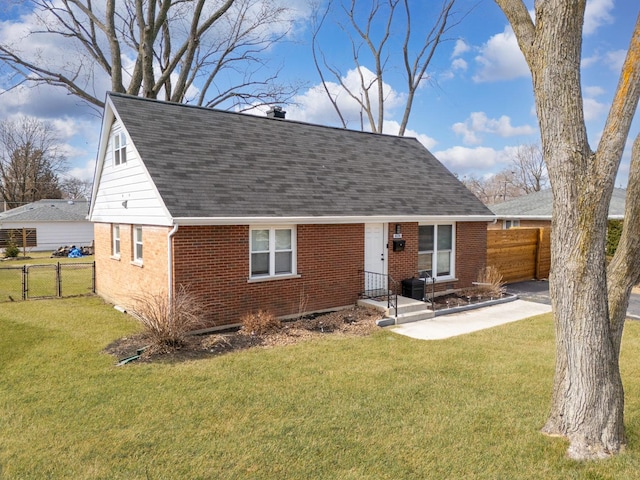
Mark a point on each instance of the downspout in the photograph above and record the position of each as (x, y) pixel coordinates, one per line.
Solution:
(173, 231)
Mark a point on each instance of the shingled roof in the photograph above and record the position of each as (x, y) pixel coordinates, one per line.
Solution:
(538, 206)
(212, 163)
(48, 211)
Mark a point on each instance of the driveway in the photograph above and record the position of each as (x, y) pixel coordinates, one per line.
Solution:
(538, 291)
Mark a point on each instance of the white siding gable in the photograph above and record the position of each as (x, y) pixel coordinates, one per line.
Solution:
(125, 193)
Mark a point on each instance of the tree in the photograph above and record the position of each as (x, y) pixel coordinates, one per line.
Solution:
(525, 174)
(185, 51)
(30, 162)
(370, 35)
(589, 300)
(75, 188)
(529, 170)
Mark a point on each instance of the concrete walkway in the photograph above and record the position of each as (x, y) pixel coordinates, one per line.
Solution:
(446, 326)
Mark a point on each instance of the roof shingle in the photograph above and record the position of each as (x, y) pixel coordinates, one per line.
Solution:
(212, 163)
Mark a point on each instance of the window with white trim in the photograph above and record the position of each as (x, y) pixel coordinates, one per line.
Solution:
(137, 244)
(119, 148)
(272, 251)
(507, 224)
(436, 253)
(115, 240)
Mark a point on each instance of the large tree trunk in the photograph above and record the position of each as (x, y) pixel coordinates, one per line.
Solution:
(588, 397)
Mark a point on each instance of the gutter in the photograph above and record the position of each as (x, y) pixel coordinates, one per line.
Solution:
(170, 236)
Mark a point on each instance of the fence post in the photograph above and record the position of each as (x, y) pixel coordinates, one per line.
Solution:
(538, 252)
(59, 279)
(24, 282)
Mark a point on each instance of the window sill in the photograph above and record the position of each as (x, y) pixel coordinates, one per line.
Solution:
(137, 263)
(268, 279)
(115, 257)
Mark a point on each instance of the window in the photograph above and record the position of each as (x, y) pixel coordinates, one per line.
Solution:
(507, 224)
(119, 148)
(272, 252)
(137, 244)
(115, 237)
(435, 250)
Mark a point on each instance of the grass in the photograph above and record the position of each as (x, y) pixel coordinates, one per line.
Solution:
(378, 407)
(42, 280)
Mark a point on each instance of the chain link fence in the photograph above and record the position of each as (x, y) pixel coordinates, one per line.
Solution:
(47, 281)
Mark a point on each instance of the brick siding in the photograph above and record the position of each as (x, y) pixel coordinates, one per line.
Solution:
(120, 280)
(213, 262)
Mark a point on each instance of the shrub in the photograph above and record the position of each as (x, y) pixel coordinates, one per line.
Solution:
(614, 231)
(259, 323)
(168, 321)
(11, 250)
(489, 282)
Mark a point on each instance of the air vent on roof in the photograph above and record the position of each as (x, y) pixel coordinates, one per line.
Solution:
(276, 112)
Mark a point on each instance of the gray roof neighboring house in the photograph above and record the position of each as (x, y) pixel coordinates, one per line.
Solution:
(538, 206)
(48, 211)
(210, 163)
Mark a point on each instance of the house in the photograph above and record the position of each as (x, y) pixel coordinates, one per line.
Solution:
(47, 225)
(534, 210)
(255, 213)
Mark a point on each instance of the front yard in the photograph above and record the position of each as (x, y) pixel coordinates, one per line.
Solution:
(375, 407)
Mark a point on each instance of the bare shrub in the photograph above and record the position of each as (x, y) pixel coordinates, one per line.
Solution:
(260, 323)
(168, 320)
(490, 282)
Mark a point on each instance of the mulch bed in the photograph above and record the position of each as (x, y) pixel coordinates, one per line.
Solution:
(356, 321)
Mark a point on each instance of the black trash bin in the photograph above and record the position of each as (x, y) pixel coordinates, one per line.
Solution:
(413, 288)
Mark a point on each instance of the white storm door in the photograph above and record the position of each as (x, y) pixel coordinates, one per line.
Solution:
(375, 248)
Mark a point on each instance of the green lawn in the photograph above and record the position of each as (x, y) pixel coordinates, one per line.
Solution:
(379, 407)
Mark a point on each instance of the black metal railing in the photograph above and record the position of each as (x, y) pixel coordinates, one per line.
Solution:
(380, 286)
(428, 279)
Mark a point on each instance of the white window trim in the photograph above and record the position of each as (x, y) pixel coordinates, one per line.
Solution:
(272, 235)
(510, 223)
(116, 239)
(120, 159)
(134, 243)
(434, 252)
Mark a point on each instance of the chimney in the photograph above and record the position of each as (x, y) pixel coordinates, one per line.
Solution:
(276, 112)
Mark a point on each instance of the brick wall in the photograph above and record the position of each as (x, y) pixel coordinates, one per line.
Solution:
(213, 262)
(119, 280)
(471, 251)
(404, 264)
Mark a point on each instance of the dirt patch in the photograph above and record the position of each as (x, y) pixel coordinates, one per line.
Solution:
(356, 321)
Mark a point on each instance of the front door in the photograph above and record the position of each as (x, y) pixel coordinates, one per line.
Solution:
(375, 248)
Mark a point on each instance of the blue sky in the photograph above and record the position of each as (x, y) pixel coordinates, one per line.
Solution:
(474, 111)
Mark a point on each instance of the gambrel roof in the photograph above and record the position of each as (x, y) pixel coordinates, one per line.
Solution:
(209, 163)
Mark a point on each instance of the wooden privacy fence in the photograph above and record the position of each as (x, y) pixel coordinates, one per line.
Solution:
(520, 253)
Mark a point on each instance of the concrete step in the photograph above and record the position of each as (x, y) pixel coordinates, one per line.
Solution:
(414, 316)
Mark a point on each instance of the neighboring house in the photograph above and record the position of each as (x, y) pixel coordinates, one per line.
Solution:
(534, 210)
(47, 225)
(264, 213)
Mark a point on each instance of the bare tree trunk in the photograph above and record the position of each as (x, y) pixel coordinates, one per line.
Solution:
(588, 397)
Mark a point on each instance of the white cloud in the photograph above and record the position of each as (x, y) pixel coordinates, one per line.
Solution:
(615, 59)
(478, 123)
(313, 105)
(391, 127)
(594, 91)
(597, 13)
(459, 64)
(460, 48)
(475, 161)
(501, 59)
(593, 109)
